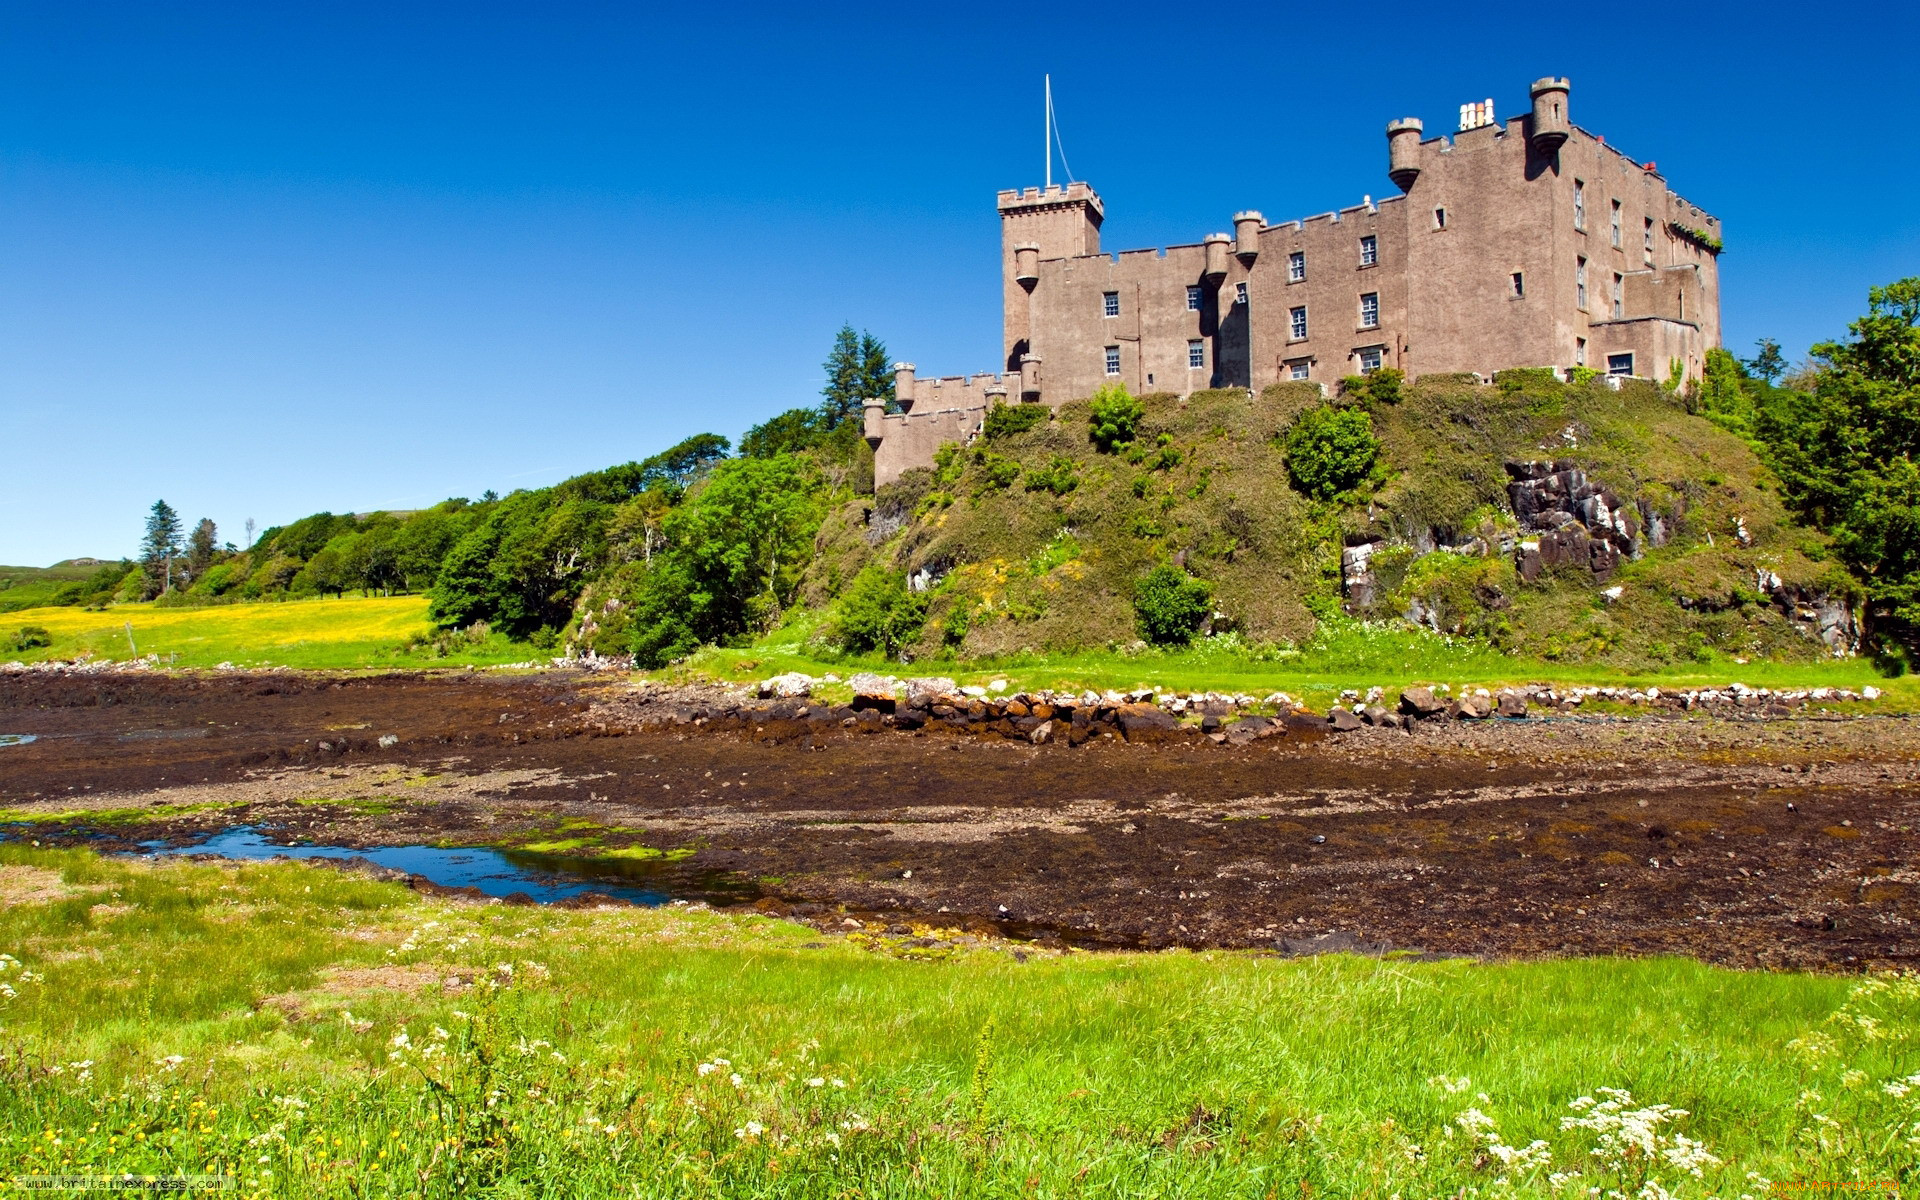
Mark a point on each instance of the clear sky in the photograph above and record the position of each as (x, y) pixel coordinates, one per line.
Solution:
(262, 259)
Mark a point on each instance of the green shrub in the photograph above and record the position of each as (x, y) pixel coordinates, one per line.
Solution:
(1113, 417)
(1005, 420)
(1059, 477)
(1331, 451)
(1383, 386)
(997, 471)
(28, 637)
(1170, 605)
(879, 612)
(1582, 376)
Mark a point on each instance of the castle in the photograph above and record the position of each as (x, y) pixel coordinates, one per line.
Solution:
(1525, 243)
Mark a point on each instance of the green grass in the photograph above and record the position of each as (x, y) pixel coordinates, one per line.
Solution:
(357, 632)
(31, 587)
(369, 634)
(281, 989)
(1347, 654)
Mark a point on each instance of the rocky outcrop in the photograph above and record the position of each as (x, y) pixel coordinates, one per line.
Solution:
(1582, 523)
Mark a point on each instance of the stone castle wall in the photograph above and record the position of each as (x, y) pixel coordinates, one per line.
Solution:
(1476, 266)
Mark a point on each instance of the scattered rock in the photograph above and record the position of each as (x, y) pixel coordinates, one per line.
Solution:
(1343, 720)
(1420, 702)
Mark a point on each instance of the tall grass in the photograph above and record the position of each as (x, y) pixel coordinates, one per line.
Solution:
(297, 1028)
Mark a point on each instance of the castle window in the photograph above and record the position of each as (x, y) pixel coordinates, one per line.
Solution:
(1370, 310)
(1579, 352)
(1110, 303)
(1519, 285)
(1369, 360)
(1296, 266)
(1113, 360)
(1616, 223)
(1196, 353)
(1297, 323)
(1369, 250)
(1240, 292)
(1619, 308)
(1579, 205)
(1439, 218)
(1580, 285)
(1193, 297)
(1649, 239)
(1298, 370)
(1620, 364)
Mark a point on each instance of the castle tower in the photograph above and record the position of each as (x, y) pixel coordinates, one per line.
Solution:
(1403, 151)
(1059, 222)
(1550, 120)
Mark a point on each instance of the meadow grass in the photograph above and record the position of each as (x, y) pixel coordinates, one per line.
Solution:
(319, 634)
(1344, 654)
(370, 633)
(295, 1027)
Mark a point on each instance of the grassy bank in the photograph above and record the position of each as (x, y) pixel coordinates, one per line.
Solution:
(250, 1021)
(355, 632)
(1350, 654)
(372, 633)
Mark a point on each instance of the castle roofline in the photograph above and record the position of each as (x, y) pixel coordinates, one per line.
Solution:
(1015, 199)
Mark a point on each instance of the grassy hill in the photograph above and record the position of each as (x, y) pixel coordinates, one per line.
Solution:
(1032, 541)
(32, 587)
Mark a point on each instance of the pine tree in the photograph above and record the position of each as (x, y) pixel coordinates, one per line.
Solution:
(160, 546)
(856, 369)
(202, 545)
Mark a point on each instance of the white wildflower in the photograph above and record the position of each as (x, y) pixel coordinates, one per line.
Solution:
(816, 1081)
(750, 1129)
(1452, 1087)
(170, 1062)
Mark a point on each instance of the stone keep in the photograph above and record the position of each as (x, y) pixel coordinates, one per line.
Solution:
(1524, 243)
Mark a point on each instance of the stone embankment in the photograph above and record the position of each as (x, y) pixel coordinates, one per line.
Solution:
(785, 706)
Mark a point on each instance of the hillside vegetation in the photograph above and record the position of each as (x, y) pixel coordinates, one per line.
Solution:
(1033, 540)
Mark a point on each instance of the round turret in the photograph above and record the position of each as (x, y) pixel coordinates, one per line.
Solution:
(1216, 245)
(1029, 376)
(1550, 121)
(903, 385)
(1026, 264)
(873, 411)
(1403, 151)
(1246, 235)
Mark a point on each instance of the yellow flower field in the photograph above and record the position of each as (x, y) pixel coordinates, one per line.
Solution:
(350, 632)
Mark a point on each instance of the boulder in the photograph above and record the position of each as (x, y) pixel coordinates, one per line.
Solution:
(923, 691)
(786, 687)
(1476, 708)
(1041, 734)
(1250, 729)
(1142, 722)
(1420, 702)
(1511, 704)
(1343, 720)
(874, 691)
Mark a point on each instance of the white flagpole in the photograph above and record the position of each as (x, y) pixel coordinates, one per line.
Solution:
(1048, 115)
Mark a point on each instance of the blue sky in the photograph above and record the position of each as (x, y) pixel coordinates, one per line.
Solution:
(266, 259)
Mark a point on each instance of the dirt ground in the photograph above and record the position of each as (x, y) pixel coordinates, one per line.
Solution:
(1786, 842)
